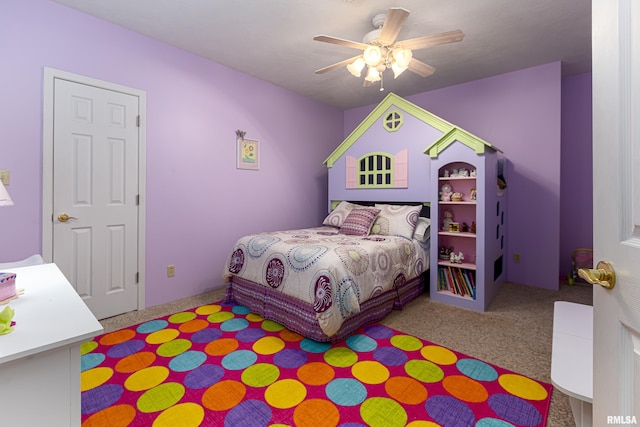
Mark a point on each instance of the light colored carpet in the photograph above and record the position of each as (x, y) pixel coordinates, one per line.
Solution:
(515, 333)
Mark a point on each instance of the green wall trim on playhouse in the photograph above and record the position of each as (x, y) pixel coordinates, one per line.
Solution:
(461, 135)
(391, 100)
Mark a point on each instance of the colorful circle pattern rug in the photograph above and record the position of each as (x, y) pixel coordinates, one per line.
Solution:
(220, 365)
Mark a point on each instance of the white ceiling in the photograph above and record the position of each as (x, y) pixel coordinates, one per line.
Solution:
(273, 39)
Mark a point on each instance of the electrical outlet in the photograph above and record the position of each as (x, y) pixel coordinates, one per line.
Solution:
(516, 257)
(171, 270)
(5, 176)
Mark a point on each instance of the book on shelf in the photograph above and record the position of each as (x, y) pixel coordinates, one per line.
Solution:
(459, 281)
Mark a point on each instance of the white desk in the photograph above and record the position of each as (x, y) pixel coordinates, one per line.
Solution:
(572, 357)
(40, 359)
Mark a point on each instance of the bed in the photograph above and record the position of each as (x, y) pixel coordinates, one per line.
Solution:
(326, 282)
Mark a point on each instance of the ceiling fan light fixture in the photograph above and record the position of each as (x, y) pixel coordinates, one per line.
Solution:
(402, 56)
(373, 75)
(355, 68)
(372, 55)
(397, 69)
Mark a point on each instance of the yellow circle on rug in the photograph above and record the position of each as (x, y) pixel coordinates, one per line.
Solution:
(205, 310)
(316, 412)
(423, 370)
(422, 423)
(340, 357)
(117, 337)
(465, 389)
(370, 372)
(271, 326)
(268, 345)
(113, 416)
(161, 397)
(260, 375)
(220, 316)
(522, 386)
(221, 347)
(315, 373)
(439, 355)
(184, 415)
(406, 390)
(146, 378)
(285, 394)
(290, 336)
(224, 395)
(252, 317)
(94, 377)
(88, 347)
(135, 362)
(406, 342)
(183, 317)
(383, 412)
(174, 347)
(193, 326)
(162, 336)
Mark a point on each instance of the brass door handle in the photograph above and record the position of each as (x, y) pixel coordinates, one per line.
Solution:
(604, 275)
(64, 217)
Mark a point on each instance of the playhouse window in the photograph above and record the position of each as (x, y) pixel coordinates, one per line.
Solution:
(393, 121)
(376, 170)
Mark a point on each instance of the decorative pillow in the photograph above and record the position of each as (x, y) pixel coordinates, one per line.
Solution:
(359, 221)
(421, 232)
(338, 215)
(396, 220)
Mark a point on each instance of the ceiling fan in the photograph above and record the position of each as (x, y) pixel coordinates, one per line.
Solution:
(381, 50)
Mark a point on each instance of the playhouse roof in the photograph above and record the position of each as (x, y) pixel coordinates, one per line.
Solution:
(450, 132)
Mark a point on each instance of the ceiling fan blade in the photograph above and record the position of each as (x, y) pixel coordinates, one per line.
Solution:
(336, 65)
(341, 42)
(396, 16)
(420, 68)
(432, 40)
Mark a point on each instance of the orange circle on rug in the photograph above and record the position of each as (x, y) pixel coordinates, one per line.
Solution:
(370, 372)
(146, 378)
(421, 423)
(183, 317)
(383, 412)
(465, 389)
(114, 416)
(406, 342)
(174, 347)
(224, 395)
(135, 362)
(522, 386)
(340, 357)
(406, 390)
(208, 309)
(162, 336)
(268, 345)
(94, 377)
(260, 375)
(285, 394)
(117, 337)
(439, 355)
(221, 347)
(161, 397)
(315, 412)
(193, 326)
(290, 336)
(315, 373)
(184, 415)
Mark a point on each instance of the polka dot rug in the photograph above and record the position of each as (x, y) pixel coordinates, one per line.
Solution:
(220, 365)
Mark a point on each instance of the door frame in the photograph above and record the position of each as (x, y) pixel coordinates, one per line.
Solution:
(50, 75)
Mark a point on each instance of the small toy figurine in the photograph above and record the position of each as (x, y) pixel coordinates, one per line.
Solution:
(473, 227)
(465, 227)
(448, 219)
(446, 173)
(454, 173)
(463, 172)
(474, 172)
(474, 194)
(456, 258)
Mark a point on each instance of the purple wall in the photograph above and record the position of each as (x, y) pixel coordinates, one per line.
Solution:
(194, 107)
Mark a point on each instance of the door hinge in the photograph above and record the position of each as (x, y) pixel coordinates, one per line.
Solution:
(138, 120)
(137, 199)
(137, 277)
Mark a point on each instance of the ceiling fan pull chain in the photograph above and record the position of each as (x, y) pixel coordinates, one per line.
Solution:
(382, 81)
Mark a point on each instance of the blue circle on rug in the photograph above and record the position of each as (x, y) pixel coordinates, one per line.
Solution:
(314, 346)
(91, 360)
(98, 398)
(203, 376)
(125, 349)
(515, 410)
(290, 358)
(234, 325)
(449, 411)
(379, 332)
(250, 334)
(206, 335)
(239, 359)
(151, 326)
(390, 356)
(187, 361)
(493, 422)
(361, 343)
(240, 309)
(250, 413)
(477, 370)
(346, 391)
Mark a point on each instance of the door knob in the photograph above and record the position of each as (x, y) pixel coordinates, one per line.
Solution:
(64, 217)
(604, 275)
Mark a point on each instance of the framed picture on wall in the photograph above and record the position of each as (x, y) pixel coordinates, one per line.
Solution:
(248, 155)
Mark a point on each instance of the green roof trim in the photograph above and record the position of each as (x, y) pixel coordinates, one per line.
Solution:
(391, 100)
(456, 134)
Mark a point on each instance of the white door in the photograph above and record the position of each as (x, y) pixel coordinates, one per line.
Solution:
(616, 195)
(96, 193)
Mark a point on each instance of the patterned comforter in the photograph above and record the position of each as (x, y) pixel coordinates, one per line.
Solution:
(333, 272)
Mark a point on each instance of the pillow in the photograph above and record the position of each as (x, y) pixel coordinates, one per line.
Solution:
(359, 221)
(338, 215)
(421, 232)
(396, 220)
